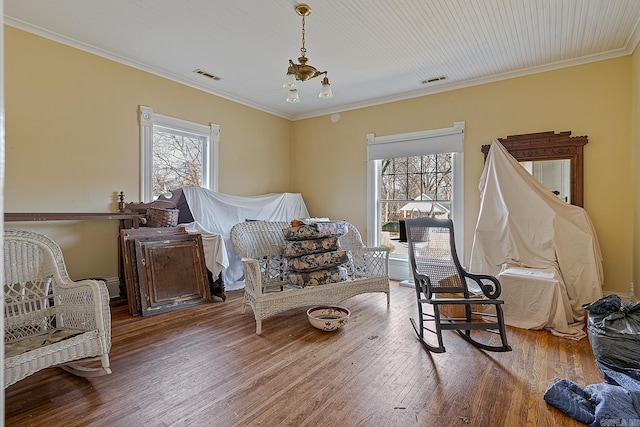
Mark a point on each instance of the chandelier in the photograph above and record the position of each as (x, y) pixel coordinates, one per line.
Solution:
(304, 71)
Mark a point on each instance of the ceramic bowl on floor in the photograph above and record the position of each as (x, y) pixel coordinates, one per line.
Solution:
(328, 317)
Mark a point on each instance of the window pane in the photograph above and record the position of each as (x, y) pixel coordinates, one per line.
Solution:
(386, 187)
(444, 187)
(400, 192)
(387, 167)
(400, 165)
(177, 160)
(390, 211)
(414, 165)
(428, 163)
(429, 185)
(413, 187)
(444, 162)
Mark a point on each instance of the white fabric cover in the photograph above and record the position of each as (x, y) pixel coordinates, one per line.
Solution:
(522, 224)
(536, 298)
(215, 254)
(215, 213)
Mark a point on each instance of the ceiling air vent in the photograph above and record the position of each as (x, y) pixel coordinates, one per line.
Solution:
(204, 73)
(433, 79)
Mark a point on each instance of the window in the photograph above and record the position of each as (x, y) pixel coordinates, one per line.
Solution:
(175, 153)
(413, 174)
(409, 187)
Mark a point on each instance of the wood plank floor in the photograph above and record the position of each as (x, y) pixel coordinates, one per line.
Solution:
(204, 366)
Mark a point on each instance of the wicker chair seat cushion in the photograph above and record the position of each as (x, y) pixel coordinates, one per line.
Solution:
(296, 248)
(315, 230)
(320, 261)
(38, 341)
(318, 277)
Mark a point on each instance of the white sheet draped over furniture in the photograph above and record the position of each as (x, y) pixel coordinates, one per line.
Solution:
(536, 298)
(215, 213)
(215, 254)
(544, 251)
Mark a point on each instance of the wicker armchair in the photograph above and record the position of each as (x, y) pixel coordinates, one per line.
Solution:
(50, 320)
(268, 291)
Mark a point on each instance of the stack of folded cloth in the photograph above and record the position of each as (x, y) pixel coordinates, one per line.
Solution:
(312, 253)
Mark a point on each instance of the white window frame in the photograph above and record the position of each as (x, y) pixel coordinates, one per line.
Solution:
(149, 119)
(446, 140)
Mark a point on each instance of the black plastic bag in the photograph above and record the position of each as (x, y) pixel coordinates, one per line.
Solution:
(614, 331)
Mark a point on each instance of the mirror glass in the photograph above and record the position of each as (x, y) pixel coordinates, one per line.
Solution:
(553, 174)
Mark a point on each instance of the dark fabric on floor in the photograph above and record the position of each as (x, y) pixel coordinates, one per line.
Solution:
(615, 402)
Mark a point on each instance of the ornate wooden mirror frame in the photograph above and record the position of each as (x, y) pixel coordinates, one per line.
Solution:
(550, 146)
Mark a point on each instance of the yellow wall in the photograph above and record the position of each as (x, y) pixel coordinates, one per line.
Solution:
(636, 168)
(72, 143)
(591, 100)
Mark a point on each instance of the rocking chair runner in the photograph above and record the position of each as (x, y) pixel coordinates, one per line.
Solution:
(437, 270)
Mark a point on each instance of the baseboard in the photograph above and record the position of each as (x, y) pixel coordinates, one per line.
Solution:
(623, 297)
(113, 285)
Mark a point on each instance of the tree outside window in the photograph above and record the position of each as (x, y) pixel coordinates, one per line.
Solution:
(177, 160)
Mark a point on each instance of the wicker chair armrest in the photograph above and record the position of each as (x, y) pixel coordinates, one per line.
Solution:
(81, 292)
(83, 304)
(252, 275)
(369, 261)
(80, 286)
(489, 285)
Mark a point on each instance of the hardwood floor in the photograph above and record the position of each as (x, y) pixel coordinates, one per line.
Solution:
(204, 366)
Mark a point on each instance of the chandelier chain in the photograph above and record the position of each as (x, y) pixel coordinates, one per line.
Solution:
(303, 50)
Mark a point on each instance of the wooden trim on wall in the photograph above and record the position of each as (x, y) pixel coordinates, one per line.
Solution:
(550, 146)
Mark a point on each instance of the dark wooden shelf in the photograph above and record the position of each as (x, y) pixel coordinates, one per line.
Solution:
(71, 216)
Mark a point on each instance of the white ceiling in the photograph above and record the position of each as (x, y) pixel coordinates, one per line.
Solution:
(376, 51)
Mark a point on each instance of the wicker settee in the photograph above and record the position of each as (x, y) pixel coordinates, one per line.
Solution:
(268, 291)
(50, 320)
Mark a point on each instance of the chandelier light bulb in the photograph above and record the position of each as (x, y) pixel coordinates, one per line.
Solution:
(293, 96)
(290, 79)
(325, 91)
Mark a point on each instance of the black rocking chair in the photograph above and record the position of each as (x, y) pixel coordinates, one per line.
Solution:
(441, 283)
